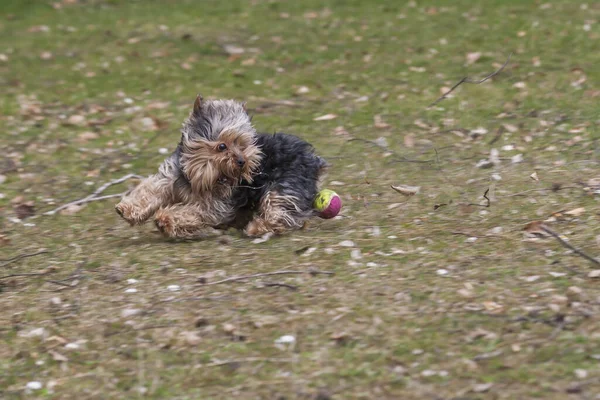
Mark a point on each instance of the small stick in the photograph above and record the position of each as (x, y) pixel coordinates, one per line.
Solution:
(539, 190)
(485, 197)
(20, 256)
(83, 201)
(94, 196)
(466, 79)
(244, 277)
(568, 245)
(281, 284)
(249, 359)
(398, 156)
(24, 274)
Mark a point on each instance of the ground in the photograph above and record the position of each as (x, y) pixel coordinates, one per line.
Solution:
(439, 295)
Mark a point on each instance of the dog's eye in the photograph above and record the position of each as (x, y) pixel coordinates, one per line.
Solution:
(222, 147)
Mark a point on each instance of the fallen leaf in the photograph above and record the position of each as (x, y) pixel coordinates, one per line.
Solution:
(406, 190)
(534, 176)
(481, 333)
(482, 387)
(379, 123)
(57, 356)
(594, 274)
(76, 120)
(325, 117)
(473, 57)
(339, 337)
(233, 49)
(24, 210)
(340, 131)
(492, 306)
(576, 212)
(72, 209)
(85, 136)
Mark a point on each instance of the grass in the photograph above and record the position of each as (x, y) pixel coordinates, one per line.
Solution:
(389, 323)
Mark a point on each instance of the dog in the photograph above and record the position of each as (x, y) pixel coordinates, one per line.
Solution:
(224, 174)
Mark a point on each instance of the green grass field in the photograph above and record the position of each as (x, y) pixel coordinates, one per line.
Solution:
(441, 295)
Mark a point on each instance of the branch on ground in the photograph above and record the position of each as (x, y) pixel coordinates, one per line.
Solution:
(95, 196)
(466, 79)
(537, 226)
(20, 256)
(246, 277)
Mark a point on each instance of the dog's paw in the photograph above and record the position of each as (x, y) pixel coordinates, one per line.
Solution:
(129, 214)
(164, 224)
(256, 228)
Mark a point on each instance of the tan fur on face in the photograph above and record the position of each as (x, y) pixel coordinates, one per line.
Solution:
(203, 163)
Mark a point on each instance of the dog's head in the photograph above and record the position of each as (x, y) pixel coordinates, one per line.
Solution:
(218, 145)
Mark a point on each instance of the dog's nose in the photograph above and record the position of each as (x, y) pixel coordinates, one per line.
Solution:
(241, 162)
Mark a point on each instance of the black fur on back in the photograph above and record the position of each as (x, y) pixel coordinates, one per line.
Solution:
(289, 167)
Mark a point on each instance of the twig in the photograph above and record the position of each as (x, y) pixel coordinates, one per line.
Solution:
(281, 284)
(568, 245)
(244, 277)
(249, 359)
(466, 79)
(94, 196)
(485, 197)
(486, 356)
(59, 283)
(539, 190)
(398, 156)
(499, 133)
(20, 256)
(24, 274)
(143, 328)
(556, 331)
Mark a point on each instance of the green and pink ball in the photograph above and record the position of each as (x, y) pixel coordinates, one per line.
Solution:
(327, 203)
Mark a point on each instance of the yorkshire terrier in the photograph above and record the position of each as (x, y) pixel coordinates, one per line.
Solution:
(225, 174)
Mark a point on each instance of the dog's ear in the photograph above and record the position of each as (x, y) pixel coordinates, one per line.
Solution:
(198, 105)
(245, 107)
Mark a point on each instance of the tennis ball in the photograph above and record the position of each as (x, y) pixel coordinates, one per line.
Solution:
(327, 203)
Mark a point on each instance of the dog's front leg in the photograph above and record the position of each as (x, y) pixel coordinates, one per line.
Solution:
(143, 201)
(190, 221)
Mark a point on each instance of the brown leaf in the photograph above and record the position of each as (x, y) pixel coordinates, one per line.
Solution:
(76, 120)
(339, 337)
(57, 356)
(535, 228)
(86, 136)
(493, 307)
(24, 210)
(379, 123)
